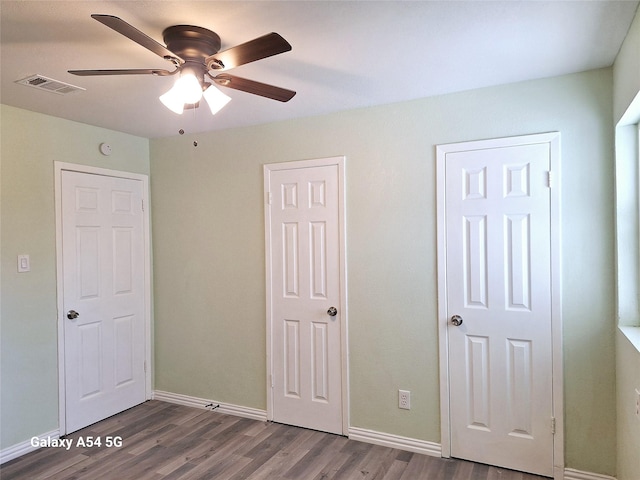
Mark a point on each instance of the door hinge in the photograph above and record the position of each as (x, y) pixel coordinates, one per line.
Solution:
(271, 380)
(553, 425)
(549, 179)
(269, 198)
(145, 367)
(142, 203)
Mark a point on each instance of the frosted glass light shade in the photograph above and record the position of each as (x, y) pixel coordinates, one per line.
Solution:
(215, 99)
(172, 101)
(189, 88)
(186, 90)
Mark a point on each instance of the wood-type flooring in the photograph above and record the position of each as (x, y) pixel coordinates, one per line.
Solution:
(164, 441)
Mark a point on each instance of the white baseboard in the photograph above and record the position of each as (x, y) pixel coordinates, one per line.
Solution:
(395, 441)
(25, 447)
(229, 409)
(571, 474)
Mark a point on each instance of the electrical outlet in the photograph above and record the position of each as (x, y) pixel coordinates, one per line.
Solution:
(638, 403)
(404, 399)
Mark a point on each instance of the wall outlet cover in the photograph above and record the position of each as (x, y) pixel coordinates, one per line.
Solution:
(404, 399)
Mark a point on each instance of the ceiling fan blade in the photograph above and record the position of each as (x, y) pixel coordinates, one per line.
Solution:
(256, 49)
(137, 36)
(131, 71)
(256, 88)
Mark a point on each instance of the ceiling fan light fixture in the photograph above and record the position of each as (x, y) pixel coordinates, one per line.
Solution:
(215, 99)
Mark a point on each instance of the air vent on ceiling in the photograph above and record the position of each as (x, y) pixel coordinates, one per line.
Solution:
(49, 84)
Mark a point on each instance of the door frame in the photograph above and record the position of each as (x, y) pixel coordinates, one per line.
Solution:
(344, 347)
(59, 167)
(553, 141)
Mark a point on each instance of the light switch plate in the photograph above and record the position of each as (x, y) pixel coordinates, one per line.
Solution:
(24, 264)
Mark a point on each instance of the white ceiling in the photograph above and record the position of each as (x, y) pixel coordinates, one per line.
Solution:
(346, 54)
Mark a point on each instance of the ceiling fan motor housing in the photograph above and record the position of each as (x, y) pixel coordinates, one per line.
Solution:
(191, 42)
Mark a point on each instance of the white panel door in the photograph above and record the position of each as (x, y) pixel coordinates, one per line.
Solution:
(103, 283)
(305, 285)
(498, 282)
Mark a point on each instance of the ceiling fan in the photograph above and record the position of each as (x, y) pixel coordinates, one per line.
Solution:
(194, 52)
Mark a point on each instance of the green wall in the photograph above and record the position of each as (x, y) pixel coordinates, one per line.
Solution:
(29, 145)
(626, 71)
(209, 251)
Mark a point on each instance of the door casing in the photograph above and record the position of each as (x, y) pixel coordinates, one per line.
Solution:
(320, 162)
(553, 139)
(59, 167)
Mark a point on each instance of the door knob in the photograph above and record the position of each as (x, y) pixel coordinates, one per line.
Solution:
(456, 320)
(332, 312)
(72, 314)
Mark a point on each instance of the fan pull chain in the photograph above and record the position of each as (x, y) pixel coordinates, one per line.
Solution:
(195, 119)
